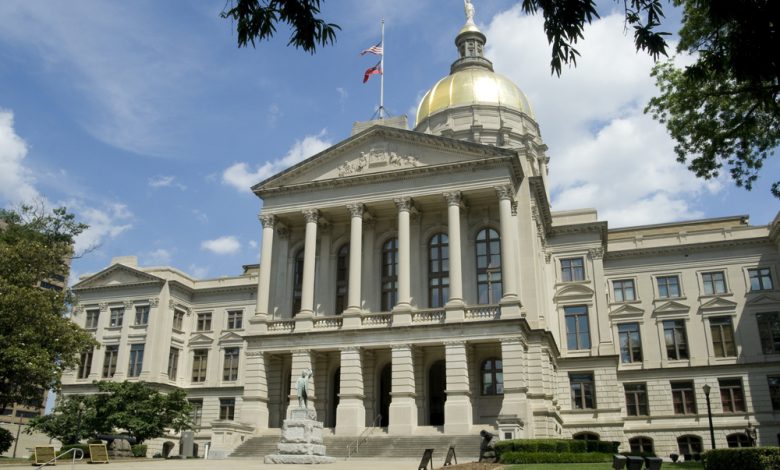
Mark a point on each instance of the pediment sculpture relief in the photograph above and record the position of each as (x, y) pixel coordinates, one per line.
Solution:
(377, 159)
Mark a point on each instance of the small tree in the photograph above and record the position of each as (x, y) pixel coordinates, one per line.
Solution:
(6, 439)
(73, 419)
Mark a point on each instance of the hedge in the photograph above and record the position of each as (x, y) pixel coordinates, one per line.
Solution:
(139, 450)
(554, 457)
(749, 458)
(556, 445)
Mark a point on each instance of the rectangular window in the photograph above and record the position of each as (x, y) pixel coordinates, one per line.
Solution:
(136, 360)
(91, 322)
(731, 396)
(178, 319)
(142, 314)
(227, 408)
(769, 331)
(572, 269)
(235, 320)
(760, 279)
(624, 290)
(723, 336)
(85, 363)
(668, 287)
(200, 359)
(714, 283)
(197, 410)
(109, 361)
(583, 393)
(173, 363)
(636, 399)
(577, 327)
(116, 316)
(774, 391)
(230, 369)
(683, 398)
(630, 342)
(204, 322)
(676, 339)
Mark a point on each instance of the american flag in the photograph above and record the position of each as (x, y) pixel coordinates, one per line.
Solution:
(375, 49)
(375, 70)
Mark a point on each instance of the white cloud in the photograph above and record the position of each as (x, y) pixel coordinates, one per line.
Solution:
(253, 243)
(604, 151)
(107, 222)
(226, 245)
(16, 180)
(198, 272)
(200, 216)
(157, 257)
(165, 182)
(242, 177)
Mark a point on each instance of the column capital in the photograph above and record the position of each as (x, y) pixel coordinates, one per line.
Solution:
(356, 209)
(596, 253)
(453, 198)
(504, 191)
(311, 215)
(268, 220)
(403, 203)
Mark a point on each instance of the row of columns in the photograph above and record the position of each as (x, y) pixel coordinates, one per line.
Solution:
(405, 206)
(403, 414)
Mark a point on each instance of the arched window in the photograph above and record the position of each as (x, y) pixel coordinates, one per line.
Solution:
(738, 439)
(438, 270)
(689, 445)
(489, 287)
(389, 274)
(342, 278)
(492, 377)
(586, 436)
(641, 445)
(297, 282)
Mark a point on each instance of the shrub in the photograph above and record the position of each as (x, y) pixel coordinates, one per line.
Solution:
(771, 461)
(592, 446)
(553, 457)
(639, 454)
(547, 446)
(576, 445)
(139, 450)
(6, 439)
(84, 448)
(606, 447)
(744, 459)
(563, 446)
(674, 457)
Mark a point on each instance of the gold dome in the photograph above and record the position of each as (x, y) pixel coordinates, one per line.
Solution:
(471, 86)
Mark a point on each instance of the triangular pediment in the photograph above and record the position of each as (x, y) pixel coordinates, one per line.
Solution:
(719, 303)
(200, 339)
(627, 310)
(231, 337)
(671, 307)
(378, 150)
(762, 299)
(117, 275)
(573, 291)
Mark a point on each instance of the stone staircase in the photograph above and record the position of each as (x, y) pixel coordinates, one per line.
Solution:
(377, 445)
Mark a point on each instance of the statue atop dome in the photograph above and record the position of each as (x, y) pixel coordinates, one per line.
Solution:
(469, 7)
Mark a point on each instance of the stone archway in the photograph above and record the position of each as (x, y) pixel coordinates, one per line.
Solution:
(385, 386)
(437, 382)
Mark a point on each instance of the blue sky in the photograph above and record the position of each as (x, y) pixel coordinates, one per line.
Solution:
(146, 120)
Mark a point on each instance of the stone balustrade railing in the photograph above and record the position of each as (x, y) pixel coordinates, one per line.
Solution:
(328, 323)
(428, 316)
(483, 312)
(376, 319)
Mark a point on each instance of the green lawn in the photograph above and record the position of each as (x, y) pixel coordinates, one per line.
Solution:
(594, 466)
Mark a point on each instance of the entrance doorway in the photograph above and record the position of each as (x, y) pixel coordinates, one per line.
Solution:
(334, 398)
(385, 384)
(437, 381)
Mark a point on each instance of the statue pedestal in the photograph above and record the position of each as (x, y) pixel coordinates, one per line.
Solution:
(301, 440)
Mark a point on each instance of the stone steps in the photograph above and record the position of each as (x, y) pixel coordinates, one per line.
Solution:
(379, 445)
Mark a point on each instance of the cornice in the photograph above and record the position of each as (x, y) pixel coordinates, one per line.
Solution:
(536, 183)
(205, 290)
(687, 248)
(118, 286)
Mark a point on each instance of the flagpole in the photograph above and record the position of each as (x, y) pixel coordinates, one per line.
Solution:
(382, 75)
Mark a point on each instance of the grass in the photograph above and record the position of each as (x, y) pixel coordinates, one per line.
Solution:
(595, 466)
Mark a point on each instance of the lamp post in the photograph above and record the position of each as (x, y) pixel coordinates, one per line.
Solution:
(707, 389)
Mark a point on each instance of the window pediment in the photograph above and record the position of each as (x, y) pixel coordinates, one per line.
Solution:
(718, 304)
(570, 291)
(670, 308)
(762, 300)
(230, 337)
(200, 340)
(627, 311)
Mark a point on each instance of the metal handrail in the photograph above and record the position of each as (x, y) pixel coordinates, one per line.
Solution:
(73, 462)
(363, 436)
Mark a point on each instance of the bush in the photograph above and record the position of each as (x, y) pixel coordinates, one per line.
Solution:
(84, 448)
(6, 439)
(553, 457)
(744, 459)
(592, 446)
(607, 447)
(639, 454)
(770, 462)
(576, 445)
(139, 450)
(541, 445)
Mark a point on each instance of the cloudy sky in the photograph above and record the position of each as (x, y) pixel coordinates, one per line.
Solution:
(146, 121)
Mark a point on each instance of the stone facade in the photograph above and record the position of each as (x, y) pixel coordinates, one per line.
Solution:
(425, 280)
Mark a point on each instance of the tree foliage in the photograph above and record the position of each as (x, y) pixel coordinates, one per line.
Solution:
(724, 109)
(257, 20)
(74, 418)
(37, 340)
(6, 439)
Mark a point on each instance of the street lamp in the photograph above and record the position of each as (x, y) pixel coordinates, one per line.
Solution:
(707, 389)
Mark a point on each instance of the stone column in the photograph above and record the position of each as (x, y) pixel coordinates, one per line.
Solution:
(403, 409)
(457, 408)
(507, 236)
(301, 360)
(404, 205)
(309, 253)
(266, 253)
(351, 412)
(453, 234)
(514, 403)
(254, 409)
(355, 256)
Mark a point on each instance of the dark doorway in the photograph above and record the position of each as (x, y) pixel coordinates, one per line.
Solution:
(167, 448)
(385, 382)
(334, 398)
(285, 398)
(437, 381)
